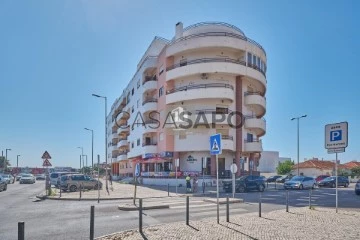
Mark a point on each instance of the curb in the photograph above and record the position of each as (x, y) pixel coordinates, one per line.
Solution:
(93, 199)
(136, 208)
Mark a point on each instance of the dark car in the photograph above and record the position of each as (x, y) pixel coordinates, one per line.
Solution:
(357, 188)
(321, 177)
(330, 182)
(284, 179)
(273, 178)
(3, 184)
(245, 183)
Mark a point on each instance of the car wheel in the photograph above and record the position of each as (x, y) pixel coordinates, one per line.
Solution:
(301, 187)
(241, 189)
(333, 185)
(5, 188)
(261, 188)
(73, 188)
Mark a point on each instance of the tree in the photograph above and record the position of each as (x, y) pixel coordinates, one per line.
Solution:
(2, 160)
(355, 172)
(285, 167)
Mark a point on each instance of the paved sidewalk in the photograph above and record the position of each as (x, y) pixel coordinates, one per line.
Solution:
(300, 223)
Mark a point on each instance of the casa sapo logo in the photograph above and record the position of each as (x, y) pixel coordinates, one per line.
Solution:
(182, 120)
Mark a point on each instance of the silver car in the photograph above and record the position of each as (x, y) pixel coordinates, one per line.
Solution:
(27, 178)
(8, 178)
(300, 182)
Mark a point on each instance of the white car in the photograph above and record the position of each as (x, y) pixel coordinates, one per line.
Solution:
(300, 182)
(27, 178)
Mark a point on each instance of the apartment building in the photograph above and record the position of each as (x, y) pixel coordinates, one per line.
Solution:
(209, 78)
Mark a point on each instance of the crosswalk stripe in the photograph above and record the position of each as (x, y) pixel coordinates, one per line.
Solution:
(193, 206)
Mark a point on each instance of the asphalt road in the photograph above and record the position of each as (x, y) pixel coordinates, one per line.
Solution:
(52, 219)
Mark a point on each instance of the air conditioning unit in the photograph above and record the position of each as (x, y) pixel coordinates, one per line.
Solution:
(204, 76)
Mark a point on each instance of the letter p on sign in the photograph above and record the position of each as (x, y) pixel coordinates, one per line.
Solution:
(335, 135)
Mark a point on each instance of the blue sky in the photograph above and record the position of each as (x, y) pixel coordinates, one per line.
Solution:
(55, 54)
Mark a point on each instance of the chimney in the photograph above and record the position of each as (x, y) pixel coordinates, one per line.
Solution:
(178, 30)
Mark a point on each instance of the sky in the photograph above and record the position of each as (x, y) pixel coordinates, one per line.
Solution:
(55, 54)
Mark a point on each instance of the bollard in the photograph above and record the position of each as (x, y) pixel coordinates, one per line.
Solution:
(227, 209)
(287, 200)
(187, 210)
(168, 189)
(140, 215)
(21, 230)
(60, 191)
(267, 184)
(80, 192)
(92, 218)
(309, 198)
(260, 204)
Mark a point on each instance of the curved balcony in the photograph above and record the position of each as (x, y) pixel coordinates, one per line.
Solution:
(122, 156)
(151, 126)
(114, 135)
(150, 104)
(123, 129)
(258, 125)
(200, 91)
(257, 103)
(150, 148)
(227, 142)
(113, 148)
(253, 146)
(231, 66)
(123, 143)
(150, 83)
(122, 116)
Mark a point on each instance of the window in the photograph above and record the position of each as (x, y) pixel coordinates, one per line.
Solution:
(138, 103)
(161, 91)
(161, 136)
(249, 58)
(258, 62)
(132, 145)
(132, 109)
(128, 97)
(132, 92)
(138, 142)
(254, 61)
(138, 83)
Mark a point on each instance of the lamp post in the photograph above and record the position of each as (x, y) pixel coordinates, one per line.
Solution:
(17, 161)
(92, 149)
(6, 159)
(298, 139)
(106, 157)
(82, 158)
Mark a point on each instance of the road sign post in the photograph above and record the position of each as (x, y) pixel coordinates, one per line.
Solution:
(215, 149)
(137, 174)
(203, 170)
(46, 163)
(233, 169)
(176, 167)
(336, 140)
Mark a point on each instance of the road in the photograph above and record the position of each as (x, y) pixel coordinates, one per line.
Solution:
(51, 219)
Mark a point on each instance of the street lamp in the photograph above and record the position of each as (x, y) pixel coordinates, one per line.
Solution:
(298, 118)
(6, 159)
(17, 161)
(82, 157)
(92, 149)
(106, 161)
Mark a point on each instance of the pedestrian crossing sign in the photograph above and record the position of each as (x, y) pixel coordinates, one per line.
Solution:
(215, 144)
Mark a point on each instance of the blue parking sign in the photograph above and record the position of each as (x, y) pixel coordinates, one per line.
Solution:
(215, 144)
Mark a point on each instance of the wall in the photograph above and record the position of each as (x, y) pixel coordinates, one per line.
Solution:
(268, 162)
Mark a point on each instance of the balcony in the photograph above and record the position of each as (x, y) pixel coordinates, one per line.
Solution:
(256, 102)
(113, 147)
(227, 142)
(150, 104)
(123, 143)
(122, 156)
(123, 129)
(200, 91)
(253, 146)
(149, 148)
(150, 83)
(258, 125)
(114, 135)
(151, 126)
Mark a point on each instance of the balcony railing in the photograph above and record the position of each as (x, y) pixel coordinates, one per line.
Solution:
(218, 34)
(206, 60)
(123, 138)
(253, 116)
(197, 86)
(253, 93)
(123, 153)
(227, 137)
(214, 111)
(149, 144)
(147, 79)
(150, 121)
(149, 100)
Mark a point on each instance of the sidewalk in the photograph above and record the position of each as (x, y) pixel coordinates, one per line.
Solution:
(299, 223)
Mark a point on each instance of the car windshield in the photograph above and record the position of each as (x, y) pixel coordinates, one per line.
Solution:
(297, 178)
(241, 178)
(27, 175)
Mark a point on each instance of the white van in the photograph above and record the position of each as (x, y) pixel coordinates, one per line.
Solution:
(55, 178)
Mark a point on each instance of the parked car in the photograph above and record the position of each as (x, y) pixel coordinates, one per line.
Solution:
(284, 179)
(19, 176)
(331, 182)
(321, 177)
(3, 184)
(300, 182)
(245, 183)
(8, 178)
(74, 182)
(357, 188)
(127, 180)
(273, 178)
(27, 178)
(55, 178)
(40, 176)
